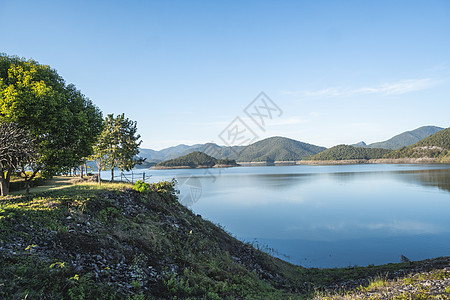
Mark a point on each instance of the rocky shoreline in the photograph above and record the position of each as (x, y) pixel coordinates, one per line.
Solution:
(428, 279)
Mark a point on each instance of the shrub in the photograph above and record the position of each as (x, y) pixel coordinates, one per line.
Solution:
(164, 187)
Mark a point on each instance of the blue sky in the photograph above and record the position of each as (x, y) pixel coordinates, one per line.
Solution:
(340, 71)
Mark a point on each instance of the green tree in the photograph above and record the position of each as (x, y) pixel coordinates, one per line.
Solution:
(118, 145)
(64, 123)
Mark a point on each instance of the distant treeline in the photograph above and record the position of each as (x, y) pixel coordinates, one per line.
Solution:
(196, 159)
(347, 152)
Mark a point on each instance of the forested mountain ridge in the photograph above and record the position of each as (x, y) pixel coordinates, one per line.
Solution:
(403, 139)
(274, 148)
(435, 146)
(277, 149)
(347, 152)
(286, 149)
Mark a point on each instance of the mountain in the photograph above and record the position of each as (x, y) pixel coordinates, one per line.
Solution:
(406, 138)
(270, 149)
(276, 149)
(150, 155)
(164, 154)
(174, 151)
(434, 146)
(211, 149)
(215, 150)
(360, 144)
(347, 152)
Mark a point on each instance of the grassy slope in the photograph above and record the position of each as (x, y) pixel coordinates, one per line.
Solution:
(110, 242)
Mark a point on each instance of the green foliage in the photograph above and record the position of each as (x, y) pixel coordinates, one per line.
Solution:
(142, 187)
(108, 214)
(226, 162)
(347, 152)
(149, 249)
(118, 144)
(166, 188)
(192, 160)
(63, 121)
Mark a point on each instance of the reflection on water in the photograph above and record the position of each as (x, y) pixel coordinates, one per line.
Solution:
(437, 178)
(331, 216)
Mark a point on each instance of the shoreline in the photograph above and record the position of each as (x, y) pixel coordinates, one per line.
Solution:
(188, 167)
(413, 161)
(346, 162)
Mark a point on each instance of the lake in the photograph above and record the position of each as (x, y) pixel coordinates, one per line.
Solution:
(326, 216)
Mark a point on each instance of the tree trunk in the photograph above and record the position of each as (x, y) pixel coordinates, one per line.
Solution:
(27, 188)
(8, 179)
(112, 174)
(99, 167)
(81, 171)
(3, 185)
(29, 179)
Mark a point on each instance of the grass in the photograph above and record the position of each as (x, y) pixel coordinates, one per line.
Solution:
(85, 241)
(40, 237)
(62, 182)
(413, 286)
(55, 183)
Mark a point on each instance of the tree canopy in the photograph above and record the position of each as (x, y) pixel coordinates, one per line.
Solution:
(64, 123)
(192, 160)
(196, 159)
(344, 152)
(118, 144)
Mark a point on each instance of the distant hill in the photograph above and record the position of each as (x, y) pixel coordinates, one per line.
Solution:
(347, 152)
(174, 151)
(192, 160)
(150, 155)
(434, 146)
(196, 159)
(276, 149)
(404, 139)
(215, 150)
(155, 156)
(281, 148)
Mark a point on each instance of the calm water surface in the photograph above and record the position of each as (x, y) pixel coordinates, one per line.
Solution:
(327, 216)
